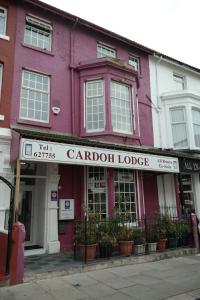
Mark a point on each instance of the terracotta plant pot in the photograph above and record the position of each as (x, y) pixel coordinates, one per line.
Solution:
(161, 244)
(125, 248)
(88, 252)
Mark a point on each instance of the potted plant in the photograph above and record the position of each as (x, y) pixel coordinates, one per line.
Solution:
(86, 237)
(139, 241)
(172, 234)
(162, 232)
(106, 239)
(125, 240)
(184, 230)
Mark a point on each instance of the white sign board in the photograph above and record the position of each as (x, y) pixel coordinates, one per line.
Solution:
(34, 150)
(66, 209)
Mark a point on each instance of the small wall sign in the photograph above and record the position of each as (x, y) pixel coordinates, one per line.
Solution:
(54, 195)
(66, 209)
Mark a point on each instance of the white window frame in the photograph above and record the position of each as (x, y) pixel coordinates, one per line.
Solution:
(44, 26)
(106, 192)
(3, 34)
(1, 77)
(180, 79)
(198, 110)
(86, 105)
(185, 122)
(35, 90)
(131, 107)
(107, 49)
(134, 61)
(134, 192)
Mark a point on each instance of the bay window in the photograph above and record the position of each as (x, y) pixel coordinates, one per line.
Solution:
(179, 131)
(121, 107)
(196, 126)
(95, 105)
(34, 100)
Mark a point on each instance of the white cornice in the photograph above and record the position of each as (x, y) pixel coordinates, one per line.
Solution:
(181, 94)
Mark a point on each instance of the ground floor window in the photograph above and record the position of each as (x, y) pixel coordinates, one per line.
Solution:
(188, 195)
(119, 188)
(97, 191)
(125, 193)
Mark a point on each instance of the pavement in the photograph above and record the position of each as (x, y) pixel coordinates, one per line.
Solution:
(176, 278)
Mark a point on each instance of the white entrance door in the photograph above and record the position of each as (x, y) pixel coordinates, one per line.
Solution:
(26, 212)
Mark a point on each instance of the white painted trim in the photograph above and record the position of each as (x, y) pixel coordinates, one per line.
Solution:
(34, 252)
(4, 37)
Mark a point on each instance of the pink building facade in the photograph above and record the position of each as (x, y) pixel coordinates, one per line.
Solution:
(82, 112)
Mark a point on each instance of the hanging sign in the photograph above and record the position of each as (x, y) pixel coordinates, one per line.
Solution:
(34, 150)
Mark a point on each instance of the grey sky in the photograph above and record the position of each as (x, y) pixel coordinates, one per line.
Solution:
(168, 26)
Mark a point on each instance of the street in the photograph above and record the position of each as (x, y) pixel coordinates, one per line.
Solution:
(173, 279)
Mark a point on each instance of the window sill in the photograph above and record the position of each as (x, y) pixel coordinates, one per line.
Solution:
(110, 133)
(38, 49)
(34, 123)
(4, 37)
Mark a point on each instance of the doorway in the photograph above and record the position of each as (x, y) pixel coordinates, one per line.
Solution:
(26, 212)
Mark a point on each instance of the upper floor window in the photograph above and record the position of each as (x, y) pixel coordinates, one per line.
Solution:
(95, 105)
(3, 20)
(134, 62)
(103, 51)
(125, 193)
(1, 75)
(179, 82)
(38, 33)
(179, 131)
(34, 100)
(121, 107)
(97, 191)
(196, 126)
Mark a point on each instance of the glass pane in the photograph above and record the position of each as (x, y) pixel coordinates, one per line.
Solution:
(94, 105)
(121, 107)
(124, 193)
(179, 135)
(177, 115)
(36, 99)
(97, 190)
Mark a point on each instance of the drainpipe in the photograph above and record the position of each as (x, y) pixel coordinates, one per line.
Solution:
(158, 99)
(71, 64)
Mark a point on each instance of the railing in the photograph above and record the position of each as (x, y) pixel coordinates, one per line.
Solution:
(105, 235)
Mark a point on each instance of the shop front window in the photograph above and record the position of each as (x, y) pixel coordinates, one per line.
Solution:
(97, 192)
(188, 195)
(125, 194)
